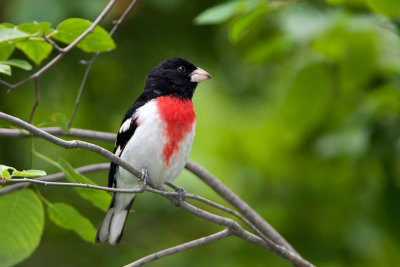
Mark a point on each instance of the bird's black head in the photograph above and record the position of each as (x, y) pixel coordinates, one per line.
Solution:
(175, 76)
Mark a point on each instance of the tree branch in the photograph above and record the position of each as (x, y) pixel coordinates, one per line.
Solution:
(185, 246)
(45, 183)
(238, 203)
(36, 75)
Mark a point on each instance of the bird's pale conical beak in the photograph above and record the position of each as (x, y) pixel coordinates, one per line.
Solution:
(199, 75)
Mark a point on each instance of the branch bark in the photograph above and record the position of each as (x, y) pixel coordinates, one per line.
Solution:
(238, 203)
(169, 251)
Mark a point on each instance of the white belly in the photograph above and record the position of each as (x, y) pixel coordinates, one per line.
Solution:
(145, 149)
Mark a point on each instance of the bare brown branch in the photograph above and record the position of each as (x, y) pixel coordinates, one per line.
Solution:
(238, 203)
(185, 246)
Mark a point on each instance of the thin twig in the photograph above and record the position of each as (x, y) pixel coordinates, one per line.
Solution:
(105, 11)
(37, 99)
(102, 188)
(93, 59)
(83, 82)
(56, 177)
(185, 246)
(56, 47)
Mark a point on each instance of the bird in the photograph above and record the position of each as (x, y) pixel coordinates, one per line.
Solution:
(156, 136)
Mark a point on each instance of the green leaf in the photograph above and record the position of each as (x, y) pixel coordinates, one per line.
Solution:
(4, 174)
(20, 63)
(5, 171)
(307, 100)
(4, 167)
(35, 50)
(390, 8)
(100, 199)
(7, 34)
(97, 41)
(35, 28)
(29, 173)
(6, 49)
(14, 173)
(57, 119)
(21, 226)
(245, 23)
(69, 218)
(5, 69)
(220, 13)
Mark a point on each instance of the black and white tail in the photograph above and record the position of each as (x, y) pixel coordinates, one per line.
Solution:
(113, 224)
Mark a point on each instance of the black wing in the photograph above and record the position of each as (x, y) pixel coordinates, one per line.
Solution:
(125, 136)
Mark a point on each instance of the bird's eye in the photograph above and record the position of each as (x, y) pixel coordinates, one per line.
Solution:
(181, 69)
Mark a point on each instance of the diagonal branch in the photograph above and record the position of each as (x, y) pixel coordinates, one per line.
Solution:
(238, 203)
(45, 183)
(36, 75)
(185, 246)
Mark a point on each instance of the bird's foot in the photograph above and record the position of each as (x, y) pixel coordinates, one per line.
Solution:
(144, 177)
(181, 192)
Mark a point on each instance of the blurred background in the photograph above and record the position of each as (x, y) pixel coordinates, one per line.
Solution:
(301, 120)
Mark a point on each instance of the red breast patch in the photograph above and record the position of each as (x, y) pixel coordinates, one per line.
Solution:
(178, 116)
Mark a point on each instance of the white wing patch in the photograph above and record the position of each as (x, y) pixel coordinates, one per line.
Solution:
(125, 126)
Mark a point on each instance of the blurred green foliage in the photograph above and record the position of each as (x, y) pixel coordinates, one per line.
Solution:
(301, 119)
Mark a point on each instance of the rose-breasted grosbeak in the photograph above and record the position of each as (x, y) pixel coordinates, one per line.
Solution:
(156, 135)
